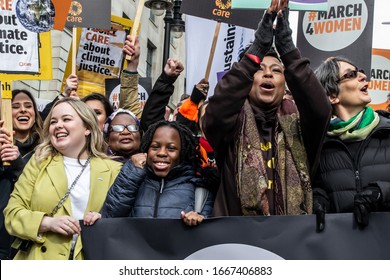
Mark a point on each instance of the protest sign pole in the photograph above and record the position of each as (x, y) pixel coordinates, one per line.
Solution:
(212, 51)
(6, 114)
(137, 20)
(74, 49)
(74, 55)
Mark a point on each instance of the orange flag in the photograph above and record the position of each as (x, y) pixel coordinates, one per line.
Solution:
(62, 9)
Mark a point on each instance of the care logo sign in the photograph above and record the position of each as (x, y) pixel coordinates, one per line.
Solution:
(342, 24)
(379, 86)
(89, 13)
(223, 5)
(221, 10)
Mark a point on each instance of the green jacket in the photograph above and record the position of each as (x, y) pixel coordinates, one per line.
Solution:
(38, 191)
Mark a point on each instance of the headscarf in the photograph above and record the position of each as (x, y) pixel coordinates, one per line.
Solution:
(108, 121)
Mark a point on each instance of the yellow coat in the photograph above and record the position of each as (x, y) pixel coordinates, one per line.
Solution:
(38, 191)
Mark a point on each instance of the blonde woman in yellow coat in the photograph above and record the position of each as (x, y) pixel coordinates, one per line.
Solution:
(71, 154)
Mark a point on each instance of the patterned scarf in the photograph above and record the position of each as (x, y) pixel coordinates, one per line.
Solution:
(355, 129)
(292, 189)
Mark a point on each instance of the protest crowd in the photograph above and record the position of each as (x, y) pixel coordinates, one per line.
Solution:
(274, 137)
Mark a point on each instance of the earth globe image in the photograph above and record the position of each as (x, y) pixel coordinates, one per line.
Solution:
(36, 15)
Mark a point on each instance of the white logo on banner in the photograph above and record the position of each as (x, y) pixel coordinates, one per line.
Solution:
(232, 251)
(115, 96)
(341, 25)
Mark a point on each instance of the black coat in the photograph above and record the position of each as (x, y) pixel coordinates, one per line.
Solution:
(221, 121)
(340, 176)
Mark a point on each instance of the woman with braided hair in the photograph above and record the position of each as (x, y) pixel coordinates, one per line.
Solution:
(162, 184)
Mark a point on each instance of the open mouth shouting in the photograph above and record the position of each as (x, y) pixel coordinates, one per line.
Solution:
(267, 86)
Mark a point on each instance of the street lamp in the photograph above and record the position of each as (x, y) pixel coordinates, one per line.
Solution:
(177, 25)
(159, 6)
(173, 21)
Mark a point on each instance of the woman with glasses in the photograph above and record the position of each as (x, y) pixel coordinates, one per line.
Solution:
(122, 134)
(353, 175)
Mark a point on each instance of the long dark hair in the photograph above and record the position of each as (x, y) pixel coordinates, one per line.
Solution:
(38, 124)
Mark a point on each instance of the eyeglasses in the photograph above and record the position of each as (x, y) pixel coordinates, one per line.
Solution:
(120, 128)
(350, 75)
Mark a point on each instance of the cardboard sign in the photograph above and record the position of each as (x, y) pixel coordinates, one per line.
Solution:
(345, 29)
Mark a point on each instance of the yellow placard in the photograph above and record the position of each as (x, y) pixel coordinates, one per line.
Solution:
(6, 89)
(87, 83)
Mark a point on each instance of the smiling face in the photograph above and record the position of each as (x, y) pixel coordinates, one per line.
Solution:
(164, 150)
(98, 107)
(67, 130)
(353, 90)
(124, 143)
(23, 115)
(268, 84)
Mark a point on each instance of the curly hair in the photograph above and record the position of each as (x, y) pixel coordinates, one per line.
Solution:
(189, 153)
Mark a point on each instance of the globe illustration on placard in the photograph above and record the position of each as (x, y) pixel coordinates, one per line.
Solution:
(36, 15)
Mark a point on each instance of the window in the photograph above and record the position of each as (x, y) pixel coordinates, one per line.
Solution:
(152, 17)
(149, 59)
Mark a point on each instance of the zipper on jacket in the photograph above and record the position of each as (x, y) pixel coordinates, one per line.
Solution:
(357, 180)
(158, 199)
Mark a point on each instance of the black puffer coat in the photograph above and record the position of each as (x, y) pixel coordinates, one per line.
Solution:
(340, 176)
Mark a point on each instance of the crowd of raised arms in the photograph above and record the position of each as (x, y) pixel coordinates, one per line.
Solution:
(275, 137)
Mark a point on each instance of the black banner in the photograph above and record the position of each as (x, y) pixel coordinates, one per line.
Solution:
(274, 237)
(344, 30)
(222, 11)
(90, 13)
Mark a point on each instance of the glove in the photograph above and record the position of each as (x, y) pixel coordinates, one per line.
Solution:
(283, 40)
(320, 207)
(263, 36)
(211, 178)
(365, 202)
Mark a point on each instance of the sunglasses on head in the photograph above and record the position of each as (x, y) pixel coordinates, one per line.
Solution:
(352, 74)
(121, 128)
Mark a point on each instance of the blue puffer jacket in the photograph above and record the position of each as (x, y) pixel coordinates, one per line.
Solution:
(138, 192)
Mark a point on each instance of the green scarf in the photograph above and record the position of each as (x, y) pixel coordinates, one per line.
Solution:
(355, 129)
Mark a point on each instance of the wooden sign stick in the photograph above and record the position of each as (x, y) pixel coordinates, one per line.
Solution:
(6, 114)
(136, 23)
(212, 50)
(74, 49)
